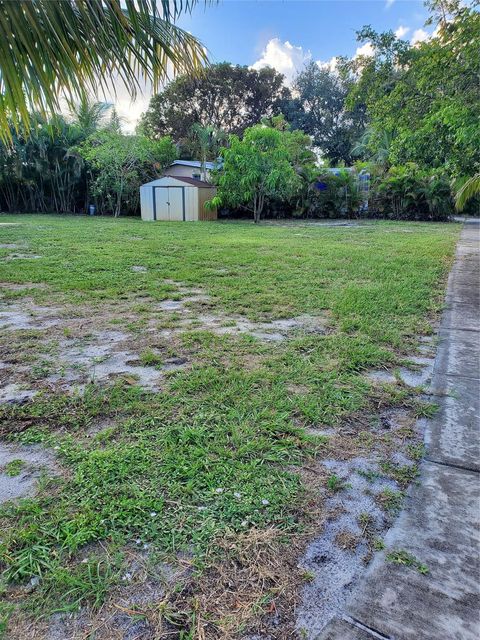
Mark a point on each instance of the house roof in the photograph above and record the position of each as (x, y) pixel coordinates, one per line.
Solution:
(192, 181)
(194, 164)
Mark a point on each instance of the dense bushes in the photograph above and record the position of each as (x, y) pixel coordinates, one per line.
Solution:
(117, 165)
(62, 165)
(37, 172)
(333, 195)
(409, 193)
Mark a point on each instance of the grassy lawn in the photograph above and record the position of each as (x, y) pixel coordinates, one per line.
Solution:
(184, 509)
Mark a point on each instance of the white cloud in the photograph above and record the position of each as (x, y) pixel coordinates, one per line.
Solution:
(389, 3)
(420, 35)
(365, 50)
(130, 111)
(401, 32)
(286, 58)
(331, 64)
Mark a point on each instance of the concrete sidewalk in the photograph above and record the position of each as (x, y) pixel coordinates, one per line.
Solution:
(440, 524)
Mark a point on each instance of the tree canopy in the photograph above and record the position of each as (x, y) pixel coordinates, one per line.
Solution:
(319, 110)
(225, 96)
(119, 164)
(51, 49)
(264, 164)
(425, 97)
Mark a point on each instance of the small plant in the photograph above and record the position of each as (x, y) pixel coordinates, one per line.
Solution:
(308, 576)
(403, 474)
(150, 359)
(416, 451)
(334, 483)
(6, 609)
(369, 474)
(365, 521)
(67, 589)
(41, 370)
(378, 544)
(391, 500)
(400, 556)
(14, 467)
(425, 409)
(34, 435)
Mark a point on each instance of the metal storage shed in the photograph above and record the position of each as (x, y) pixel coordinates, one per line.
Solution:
(176, 198)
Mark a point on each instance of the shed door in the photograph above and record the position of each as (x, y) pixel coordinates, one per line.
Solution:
(169, 203)
(175, 203)
(161, 203)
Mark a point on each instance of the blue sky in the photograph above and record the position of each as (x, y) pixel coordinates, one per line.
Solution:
(286, 34)
(240, 30)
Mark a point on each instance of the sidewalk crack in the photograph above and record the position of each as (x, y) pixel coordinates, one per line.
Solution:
(372, 632)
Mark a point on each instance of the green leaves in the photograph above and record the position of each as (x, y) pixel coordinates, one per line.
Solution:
(408, 192)
(66, 48)
(425, 97)
(119, 164)
(470, 189)
(260, 166)
(225, 96)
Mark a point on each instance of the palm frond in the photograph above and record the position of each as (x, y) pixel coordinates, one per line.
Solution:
(470, 189)
(66, 48)
(88, 114)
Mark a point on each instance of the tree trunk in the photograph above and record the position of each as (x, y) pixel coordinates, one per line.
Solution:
(204, 166)
(257, 208)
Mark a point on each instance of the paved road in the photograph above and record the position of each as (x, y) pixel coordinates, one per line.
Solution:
(440, 524)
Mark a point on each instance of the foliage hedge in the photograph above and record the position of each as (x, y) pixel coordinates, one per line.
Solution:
(408, 192)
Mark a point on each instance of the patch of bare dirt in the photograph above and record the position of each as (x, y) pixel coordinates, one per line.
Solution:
(67, 346)
(254, 586)
(30, 461)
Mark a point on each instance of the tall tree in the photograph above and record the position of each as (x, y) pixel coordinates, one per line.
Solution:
(67, 47)
(208, 141)
(114, 122)
(265, 164)
(119, 164)
(88, 114)
(426, 97)
(226, 97)
(319, 110)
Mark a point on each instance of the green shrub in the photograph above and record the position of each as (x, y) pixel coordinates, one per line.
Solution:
(332, 196)
(407, 192)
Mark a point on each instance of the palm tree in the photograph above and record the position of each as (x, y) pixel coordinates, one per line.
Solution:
(363, 147)
(115, 121)
(69, 47)
(208, 139)
(470, 189)
(88, 115)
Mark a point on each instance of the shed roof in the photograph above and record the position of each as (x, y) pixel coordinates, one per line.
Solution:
(201, 184)
(194, 163)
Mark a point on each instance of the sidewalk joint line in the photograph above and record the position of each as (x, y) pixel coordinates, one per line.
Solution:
(453, 375)
(451, 465)
(459, 329)
(372, 632)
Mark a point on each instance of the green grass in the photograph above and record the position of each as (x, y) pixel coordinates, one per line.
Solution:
(14, 467)
(402, 557)
(216, 451)
(391, 500)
